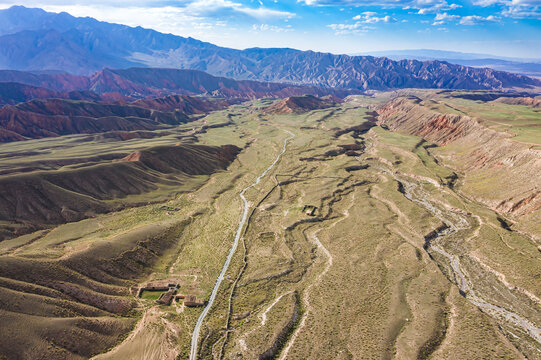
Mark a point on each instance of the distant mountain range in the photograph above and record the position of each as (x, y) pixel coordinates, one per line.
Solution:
(32, 39)
(135, 83)
(530, 67)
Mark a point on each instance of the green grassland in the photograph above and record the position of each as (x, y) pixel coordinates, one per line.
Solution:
(151, 295)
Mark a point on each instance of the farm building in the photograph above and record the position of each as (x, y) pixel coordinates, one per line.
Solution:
(159, 286)
(192, 301)
(309, 210)
(166, 298)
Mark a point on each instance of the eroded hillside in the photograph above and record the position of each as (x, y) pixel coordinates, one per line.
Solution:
(496, 150)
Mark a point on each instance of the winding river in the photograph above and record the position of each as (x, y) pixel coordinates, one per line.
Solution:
(455, 222)
(245, 212)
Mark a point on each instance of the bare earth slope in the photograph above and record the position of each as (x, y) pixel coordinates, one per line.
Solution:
(41, 198)
(55, 117)
(299, 105)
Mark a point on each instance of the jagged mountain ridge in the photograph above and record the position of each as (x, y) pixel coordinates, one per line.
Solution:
(85, 45)
(145, 82)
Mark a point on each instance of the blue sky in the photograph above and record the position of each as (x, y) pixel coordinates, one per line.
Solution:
(502, 27)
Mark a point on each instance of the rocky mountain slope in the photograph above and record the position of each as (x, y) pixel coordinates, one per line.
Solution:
(13, 93)
(524, 66)
(105, 101)
(161, 81)
(85, 45)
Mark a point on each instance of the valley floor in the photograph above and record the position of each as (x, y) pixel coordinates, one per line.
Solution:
(356, 245)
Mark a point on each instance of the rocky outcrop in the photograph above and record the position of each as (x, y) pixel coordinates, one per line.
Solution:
(407, 114)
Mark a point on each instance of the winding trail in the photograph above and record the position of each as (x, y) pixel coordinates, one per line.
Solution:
(245, 212)
(264, 314)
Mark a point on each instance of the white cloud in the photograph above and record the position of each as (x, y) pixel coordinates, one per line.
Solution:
(360, 25)
(348, 29)
(188, 8)
(273, 28)
(166, 19)
(194, 18)
(265, 13)
(345, 26)
(522, 11)
(204, 7)
(424, 6)
(370, 17)
(443, 18)
(441, 6)
(476, 20)
(485, 3)
(446, 17)
(517, 9)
